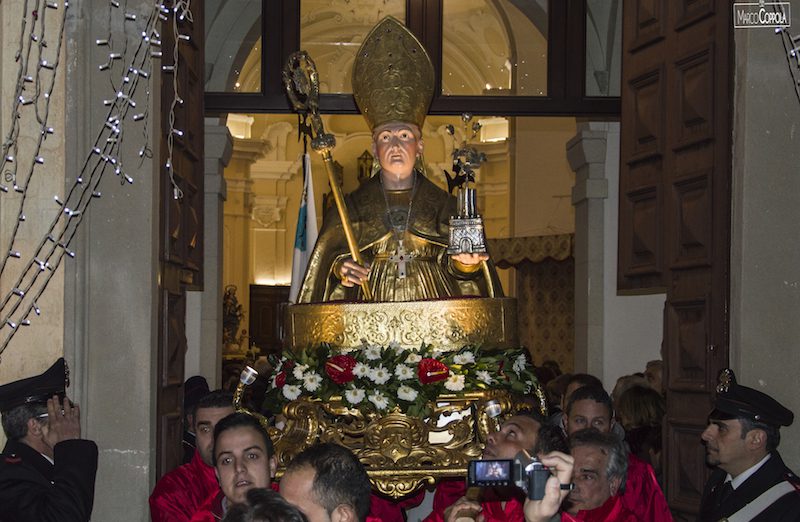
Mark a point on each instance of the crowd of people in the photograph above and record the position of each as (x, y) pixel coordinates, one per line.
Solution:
(601, 467)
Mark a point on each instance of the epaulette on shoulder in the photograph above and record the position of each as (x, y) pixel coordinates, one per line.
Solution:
(12, 459)
(794, 480)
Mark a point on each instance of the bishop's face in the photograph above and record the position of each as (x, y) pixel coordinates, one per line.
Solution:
(396, 145)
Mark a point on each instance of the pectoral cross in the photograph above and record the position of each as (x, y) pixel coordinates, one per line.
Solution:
(400, 257)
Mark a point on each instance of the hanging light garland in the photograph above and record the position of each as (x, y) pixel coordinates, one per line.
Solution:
(791, 44)
(126, 66)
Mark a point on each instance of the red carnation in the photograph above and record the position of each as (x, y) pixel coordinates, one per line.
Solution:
(431, 370)
(280, 380)
(340, 368)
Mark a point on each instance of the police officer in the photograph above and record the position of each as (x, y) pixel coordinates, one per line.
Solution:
(47, 472)
(750, 481)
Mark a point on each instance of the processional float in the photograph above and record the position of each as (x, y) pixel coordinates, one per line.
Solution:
(412, 388)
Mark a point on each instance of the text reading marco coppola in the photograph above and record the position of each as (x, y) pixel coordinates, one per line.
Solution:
(748, 15)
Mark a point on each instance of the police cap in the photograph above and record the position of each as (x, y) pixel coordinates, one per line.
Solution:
(37, 389)
(737, 401)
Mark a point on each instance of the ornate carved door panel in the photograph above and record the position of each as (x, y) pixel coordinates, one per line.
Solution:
(181, 222)
(674, 228)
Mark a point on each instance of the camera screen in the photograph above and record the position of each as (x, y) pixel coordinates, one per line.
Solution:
(490, 472)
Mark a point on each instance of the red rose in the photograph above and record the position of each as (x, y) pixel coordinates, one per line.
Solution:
(280, 380)
(431, 370)
(340, 368)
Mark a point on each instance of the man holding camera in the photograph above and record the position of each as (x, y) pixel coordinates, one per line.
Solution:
(599, 473)
(524, 431)
(590, 407)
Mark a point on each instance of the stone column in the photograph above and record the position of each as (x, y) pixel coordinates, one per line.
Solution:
(586, 153)
(112, 298)
(204, 309)
(615, 335)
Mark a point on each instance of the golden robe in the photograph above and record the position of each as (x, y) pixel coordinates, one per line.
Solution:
(430, 273)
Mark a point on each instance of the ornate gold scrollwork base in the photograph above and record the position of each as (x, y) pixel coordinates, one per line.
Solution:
(401, 453)
(448, 324)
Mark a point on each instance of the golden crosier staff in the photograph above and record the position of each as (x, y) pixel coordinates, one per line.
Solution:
(301, 80)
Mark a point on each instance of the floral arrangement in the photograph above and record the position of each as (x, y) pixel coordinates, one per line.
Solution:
(375, 379)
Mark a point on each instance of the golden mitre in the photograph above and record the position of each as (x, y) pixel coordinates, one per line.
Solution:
(392, 76)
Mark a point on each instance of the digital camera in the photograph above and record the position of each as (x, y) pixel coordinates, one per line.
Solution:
(524, 472)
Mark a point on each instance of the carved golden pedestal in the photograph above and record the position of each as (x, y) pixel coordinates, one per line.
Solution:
(401, 453)
(447, 324)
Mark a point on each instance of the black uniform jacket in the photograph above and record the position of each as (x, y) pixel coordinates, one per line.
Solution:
(33, 490)
(785, 509)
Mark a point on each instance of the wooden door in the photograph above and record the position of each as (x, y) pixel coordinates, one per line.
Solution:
(181, 223)
(675, 203)
(267, 313)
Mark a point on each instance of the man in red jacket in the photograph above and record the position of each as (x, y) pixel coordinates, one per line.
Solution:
(590, 407)
(180, 492)
(243, 459)
(328, 483)
(599, 473)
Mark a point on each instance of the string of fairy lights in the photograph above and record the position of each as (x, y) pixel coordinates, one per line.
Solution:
(182, 13)
(129, 67)
(791, 44)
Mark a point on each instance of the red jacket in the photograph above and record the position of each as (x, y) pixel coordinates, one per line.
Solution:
(643, 496)
(180, 492)
(450, 490)
(613, 510)
(211, 510)
(384, 510)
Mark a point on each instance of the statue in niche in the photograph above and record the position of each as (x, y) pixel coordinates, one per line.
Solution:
(232, 314)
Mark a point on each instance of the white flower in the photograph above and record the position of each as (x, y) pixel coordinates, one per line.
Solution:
(407, 393)
(372, 352)
(464, 358)
(311, 381)
(485, 376)
(519, 363)
(395, 346)
(354, 395)
(299, 370)
(291, 391)
(403, 372)
(413, 358)
(379, 375)
(360, 370)
(379, 400)
(455, 382)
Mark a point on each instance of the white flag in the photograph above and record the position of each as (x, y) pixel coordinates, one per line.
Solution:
(306, 235)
